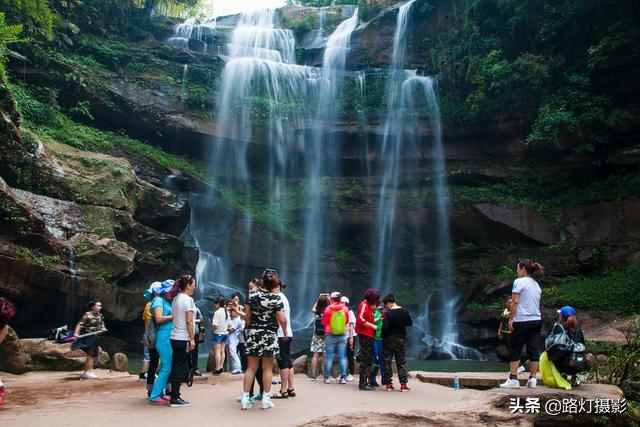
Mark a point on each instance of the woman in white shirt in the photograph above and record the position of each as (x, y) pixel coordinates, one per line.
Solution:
(525, 322)
(220, 324)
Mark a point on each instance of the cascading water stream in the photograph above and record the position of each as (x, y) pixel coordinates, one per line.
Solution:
(391, 152)
(321, 154)
(409, 95)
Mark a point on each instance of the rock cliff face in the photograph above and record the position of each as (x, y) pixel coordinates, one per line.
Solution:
(79, 225)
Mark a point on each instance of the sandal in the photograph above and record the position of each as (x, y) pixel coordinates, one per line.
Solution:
(280, 395)
(291, 392)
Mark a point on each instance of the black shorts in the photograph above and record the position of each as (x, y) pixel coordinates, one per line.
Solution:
(284, 358)
(528, 333)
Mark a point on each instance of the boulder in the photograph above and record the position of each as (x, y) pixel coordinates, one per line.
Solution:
(13, 358)
(104, 360)
(300, 364)
(523, 219)
(120, 362)
(50, 356)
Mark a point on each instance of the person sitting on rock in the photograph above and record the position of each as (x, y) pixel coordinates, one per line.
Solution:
(86, 334)
(565, 345)
(7, 311)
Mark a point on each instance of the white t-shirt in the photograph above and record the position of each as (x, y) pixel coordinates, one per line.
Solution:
(351, 325)
(287, 313)
(529, 305)
(181, 304)
(220, 322)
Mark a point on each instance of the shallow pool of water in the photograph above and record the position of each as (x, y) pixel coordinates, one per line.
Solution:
(457, 366)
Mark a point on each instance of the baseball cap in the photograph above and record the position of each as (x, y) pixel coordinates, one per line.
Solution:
(335, 295)
(567, 311)
(344, 300)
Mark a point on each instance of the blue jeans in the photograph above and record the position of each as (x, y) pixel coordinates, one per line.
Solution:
(335, 345)
(163, 346)
(378, 361)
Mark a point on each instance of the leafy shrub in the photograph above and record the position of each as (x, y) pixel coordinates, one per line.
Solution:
(8, 34)
(615, 291)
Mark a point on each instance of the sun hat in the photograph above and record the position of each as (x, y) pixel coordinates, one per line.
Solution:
(154, 289)
(567, 311)
(166, 286)
(344, 300)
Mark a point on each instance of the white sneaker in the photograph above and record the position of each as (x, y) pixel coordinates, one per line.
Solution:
(532, 383)
(350, 378)
(521, 369)
(266, 402)
(510, 383)
(342, 380)
(88, 375)
(246, 402)
(327, 380)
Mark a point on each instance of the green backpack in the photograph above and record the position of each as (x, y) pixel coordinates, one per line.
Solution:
(338, 322)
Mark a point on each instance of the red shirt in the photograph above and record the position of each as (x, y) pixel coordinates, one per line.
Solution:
(365, 314)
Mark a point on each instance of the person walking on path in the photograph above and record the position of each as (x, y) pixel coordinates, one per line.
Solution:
(317, 340)
(220, 324)
(7, 311)
(351, 334)
(287, 385)
(263, 314)
(91, 323)
(182, 336)
(394, 336)
(335, 320)
(163, 323)
(366, 330)
(525, 322)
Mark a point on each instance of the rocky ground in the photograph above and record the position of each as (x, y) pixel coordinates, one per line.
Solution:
(62, 399)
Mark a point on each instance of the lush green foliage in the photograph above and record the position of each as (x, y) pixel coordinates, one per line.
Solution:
(8, 34)
(35, 16)
(42, 115)
(615, 291)
(566, 66)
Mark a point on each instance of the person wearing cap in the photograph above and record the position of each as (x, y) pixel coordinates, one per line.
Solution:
(150, 354)
(565, 345)
(163, 319)
(335, 320)
(351, 335)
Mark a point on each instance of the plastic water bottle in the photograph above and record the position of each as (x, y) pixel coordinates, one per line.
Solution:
(456, 383)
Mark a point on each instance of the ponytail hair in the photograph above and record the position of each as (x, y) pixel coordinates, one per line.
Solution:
(531, 267)
(179, 286)
(572, 324)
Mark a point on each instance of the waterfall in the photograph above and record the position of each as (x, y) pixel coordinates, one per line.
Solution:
(191, 29)
(391, 152)
(321, 154)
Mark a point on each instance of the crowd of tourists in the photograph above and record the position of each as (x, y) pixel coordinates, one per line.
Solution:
(255, 332)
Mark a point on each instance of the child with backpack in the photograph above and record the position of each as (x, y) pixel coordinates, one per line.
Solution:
(335, 320)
